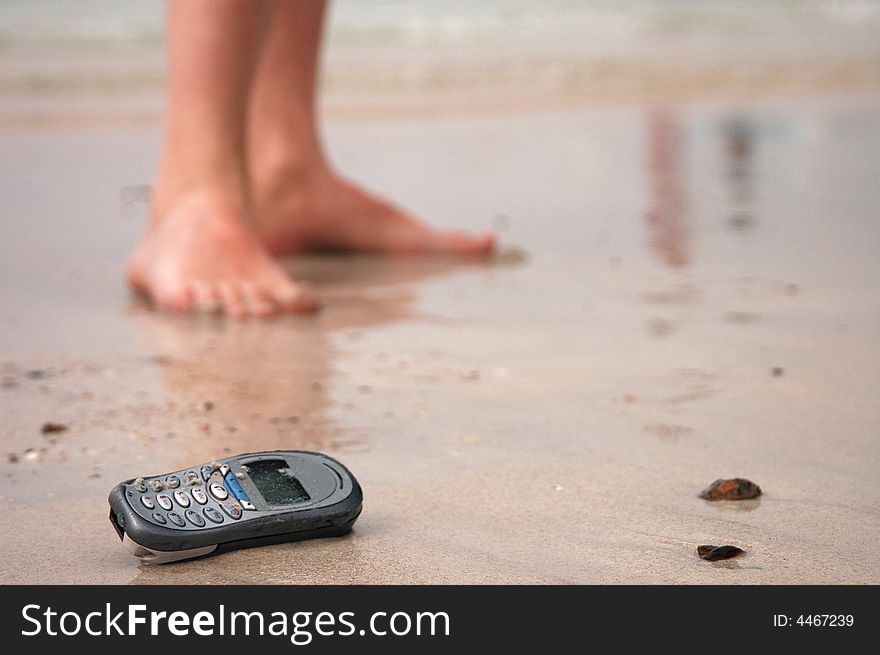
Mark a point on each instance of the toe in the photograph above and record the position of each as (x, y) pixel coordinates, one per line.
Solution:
(205, 297)
(258, 301)
(464, 243)
(174, 300)
(295, 297)
(233, 301)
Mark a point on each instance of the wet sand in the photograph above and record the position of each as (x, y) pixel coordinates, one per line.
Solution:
(699, 299)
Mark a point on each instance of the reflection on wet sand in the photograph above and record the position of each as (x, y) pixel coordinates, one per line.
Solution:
(749, 505)
(264, 385)
(669, 232)
(739, 146)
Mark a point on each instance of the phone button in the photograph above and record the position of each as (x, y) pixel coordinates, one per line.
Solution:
(195, 518)
(176, 519)
(199, 495)
(219, 491)
(172, 482)
(141, 487)
(190, 478)
(206, 471)
(147, 502)
(159, 518)
(233, 510)
(213, 515)
(181, 498)
(164, 501)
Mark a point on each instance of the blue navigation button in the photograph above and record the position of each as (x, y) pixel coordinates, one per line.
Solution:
(235, 488)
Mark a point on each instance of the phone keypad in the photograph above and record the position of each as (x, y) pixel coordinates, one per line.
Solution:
(192, 489)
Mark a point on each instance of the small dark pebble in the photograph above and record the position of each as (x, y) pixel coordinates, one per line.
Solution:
(777, 371)
(50, 428)
(741, 221)
(712, 553)
(12, 458)
(733, 489)
(37, 374)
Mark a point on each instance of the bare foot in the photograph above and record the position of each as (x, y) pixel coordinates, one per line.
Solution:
(322, 211)
(201, 255)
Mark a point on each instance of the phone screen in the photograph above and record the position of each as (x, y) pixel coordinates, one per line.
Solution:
(276, 482)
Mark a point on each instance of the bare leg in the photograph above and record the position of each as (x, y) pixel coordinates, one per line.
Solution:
(300, 203)
(199, 249)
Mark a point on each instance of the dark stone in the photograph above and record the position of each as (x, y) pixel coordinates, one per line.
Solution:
(51, 428)
(713, 553)
(37, 374)
(733, 489)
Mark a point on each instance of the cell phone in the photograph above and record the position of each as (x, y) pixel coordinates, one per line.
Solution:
(254, 499)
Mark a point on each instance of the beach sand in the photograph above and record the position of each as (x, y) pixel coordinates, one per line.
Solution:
(688, 291)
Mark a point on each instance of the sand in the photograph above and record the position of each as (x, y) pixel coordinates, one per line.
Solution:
(698, 298)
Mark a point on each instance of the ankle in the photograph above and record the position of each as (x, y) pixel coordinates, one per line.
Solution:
(282, 177)
(186, 169)
(207, 204)
(284, 154)
(175, 185)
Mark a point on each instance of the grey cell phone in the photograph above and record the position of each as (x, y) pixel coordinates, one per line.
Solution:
(247, 500)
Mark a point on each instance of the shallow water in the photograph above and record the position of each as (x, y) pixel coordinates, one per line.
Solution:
(98, 62)
(545, 420)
